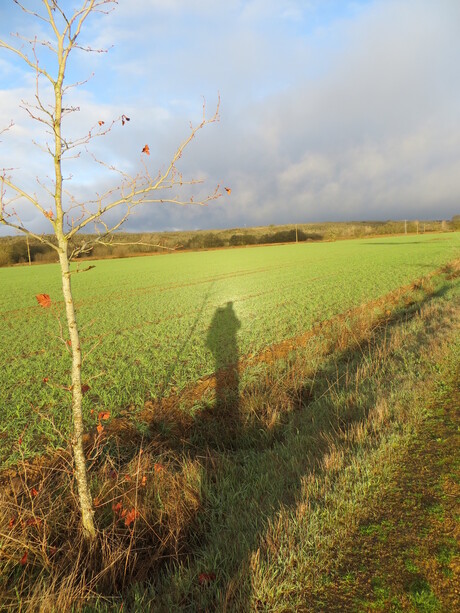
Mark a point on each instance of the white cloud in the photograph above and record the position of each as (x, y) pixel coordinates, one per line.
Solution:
(329, 110)
(311, 169)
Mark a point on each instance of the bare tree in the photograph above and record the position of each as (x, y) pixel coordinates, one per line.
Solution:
(67, 215)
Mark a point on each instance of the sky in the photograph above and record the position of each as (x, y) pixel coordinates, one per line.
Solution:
(330, 110)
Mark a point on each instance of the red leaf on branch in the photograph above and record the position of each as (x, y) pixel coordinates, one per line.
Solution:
(146, 150)
(85, 388)
(117, 507)
(101, 123)
(130, 517)
(144, 481)
(49, 214)
(11, 522)
(68, 343)
(100, 428)
(158, 468)
(45, 379)
(33, 492)
(34, 521)
(103, 415)
(228, 190)
(23, 560)
(204, 578)
(124, 119)
(43, 300)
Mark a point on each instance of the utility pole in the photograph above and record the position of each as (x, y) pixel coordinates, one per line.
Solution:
(405, 226)
(28, 248)
(296, 235)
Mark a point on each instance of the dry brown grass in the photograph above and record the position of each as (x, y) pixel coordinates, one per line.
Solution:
(145, 506)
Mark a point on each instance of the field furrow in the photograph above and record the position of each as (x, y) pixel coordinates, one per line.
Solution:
(147, 323)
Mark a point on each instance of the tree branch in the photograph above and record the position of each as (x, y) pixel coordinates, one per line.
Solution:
(21, 228)
(24, 57)
(5, 181)
(138, 188)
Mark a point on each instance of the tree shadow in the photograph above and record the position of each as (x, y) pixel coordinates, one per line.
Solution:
(224, 432)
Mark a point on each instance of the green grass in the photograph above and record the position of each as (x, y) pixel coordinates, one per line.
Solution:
(265, 499)
(422, 597)
(276, 516)
(145, 321)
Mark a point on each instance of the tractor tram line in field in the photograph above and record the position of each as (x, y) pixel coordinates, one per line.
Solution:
(144, 341)
(277, 351)
(347, 328)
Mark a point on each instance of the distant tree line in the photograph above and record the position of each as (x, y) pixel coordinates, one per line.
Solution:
(17, 250)
(210, 240)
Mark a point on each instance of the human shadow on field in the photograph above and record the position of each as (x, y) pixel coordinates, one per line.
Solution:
(323, 408)
(252, 472)
(222, 341)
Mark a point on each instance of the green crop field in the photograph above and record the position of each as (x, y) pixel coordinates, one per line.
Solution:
(146, 321)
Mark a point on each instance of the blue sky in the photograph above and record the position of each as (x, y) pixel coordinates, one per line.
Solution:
(330, 110)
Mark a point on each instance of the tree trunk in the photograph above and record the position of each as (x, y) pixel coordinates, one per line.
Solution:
(86, 503)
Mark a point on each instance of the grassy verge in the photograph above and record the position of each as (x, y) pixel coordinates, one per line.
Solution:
(255, 507)
(405, 555)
